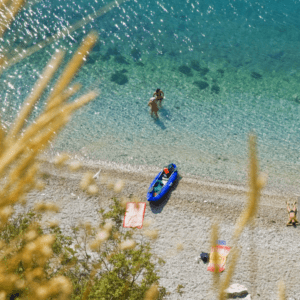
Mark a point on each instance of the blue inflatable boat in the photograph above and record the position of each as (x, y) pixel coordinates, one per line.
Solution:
(162, 183)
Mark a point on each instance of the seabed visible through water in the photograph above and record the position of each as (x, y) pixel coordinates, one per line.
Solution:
(226, 70)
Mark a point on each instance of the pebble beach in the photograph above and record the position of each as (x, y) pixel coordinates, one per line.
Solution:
(227, 70)
(268, 251)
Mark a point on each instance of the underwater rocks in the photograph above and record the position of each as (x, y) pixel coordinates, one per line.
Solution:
(185, 70)
(120, 59)
(136, 54)
(221, 72)
(119, 77)
(202, 85)
(215, 89)
(204, 71)
(196, 66)
(110, 52)
(256, 75)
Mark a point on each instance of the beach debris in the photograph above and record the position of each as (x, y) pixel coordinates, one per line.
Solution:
(96, 176)
(217, 258)
(237, 291)
(134, 215)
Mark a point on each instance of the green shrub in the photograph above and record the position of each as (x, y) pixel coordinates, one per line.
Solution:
(115, 273)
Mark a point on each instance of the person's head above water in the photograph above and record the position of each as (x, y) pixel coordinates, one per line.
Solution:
(157, 90)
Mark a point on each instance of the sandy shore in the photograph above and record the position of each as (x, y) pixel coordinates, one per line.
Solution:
(269, 253)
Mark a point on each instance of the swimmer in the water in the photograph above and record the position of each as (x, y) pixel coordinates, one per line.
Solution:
(159, 96)
(154, 108)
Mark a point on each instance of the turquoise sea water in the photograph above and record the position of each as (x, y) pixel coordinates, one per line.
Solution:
(227, 68)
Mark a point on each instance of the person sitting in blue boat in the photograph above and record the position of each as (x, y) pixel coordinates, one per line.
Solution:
(166, 173)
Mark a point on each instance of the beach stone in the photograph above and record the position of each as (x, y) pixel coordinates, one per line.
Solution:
(237, 290)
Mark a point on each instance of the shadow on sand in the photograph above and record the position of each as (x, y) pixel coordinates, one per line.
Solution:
(157, 206)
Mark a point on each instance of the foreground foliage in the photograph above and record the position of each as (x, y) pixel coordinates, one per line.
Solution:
(114, 271)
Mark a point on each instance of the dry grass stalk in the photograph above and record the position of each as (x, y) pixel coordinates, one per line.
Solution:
(50, 122)
(73, 66)
(281, 288)
(8, 13)
(214, 254)
(3, 4)
(256, 183)
(152, 234)
(152, 293)
(230, 271)
(119, 185)
(63, 97)
(87, 179)
(35, 95)
(64, 32)
(128, 244)
(18, 164)
(61, 159)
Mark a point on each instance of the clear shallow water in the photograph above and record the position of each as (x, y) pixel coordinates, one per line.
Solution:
(245, 52)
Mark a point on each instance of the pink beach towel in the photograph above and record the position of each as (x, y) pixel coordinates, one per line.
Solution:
(221, 252)
(134, 215)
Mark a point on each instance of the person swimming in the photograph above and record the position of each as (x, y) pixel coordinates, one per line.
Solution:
(154, 107)
(159, 96)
